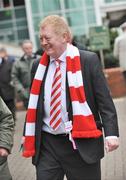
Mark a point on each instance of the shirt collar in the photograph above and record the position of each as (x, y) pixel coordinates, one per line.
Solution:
(26, 57)
(62, 57)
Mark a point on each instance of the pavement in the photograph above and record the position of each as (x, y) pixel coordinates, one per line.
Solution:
(113, 164)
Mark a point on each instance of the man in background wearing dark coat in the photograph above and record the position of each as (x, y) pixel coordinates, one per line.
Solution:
(6, 88)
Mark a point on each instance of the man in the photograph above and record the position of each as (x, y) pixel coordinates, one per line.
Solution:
(69, 103)
(120, 49)
(21, 72)
(6, 89)
(6, 139)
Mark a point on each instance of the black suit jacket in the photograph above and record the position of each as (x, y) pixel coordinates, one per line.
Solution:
(99, 101)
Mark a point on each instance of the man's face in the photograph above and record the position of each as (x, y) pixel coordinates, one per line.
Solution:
(53, 44)
(27, 48)
(3, 54)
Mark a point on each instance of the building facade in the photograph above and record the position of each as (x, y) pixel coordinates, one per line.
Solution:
(20, 19)
(13, 21)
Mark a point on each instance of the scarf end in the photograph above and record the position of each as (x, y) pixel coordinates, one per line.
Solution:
(28, 154)
(87, 134)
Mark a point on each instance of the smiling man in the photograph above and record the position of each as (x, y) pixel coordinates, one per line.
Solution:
(69, 105)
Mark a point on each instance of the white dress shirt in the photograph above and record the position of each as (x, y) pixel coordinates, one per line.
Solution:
(47, 95)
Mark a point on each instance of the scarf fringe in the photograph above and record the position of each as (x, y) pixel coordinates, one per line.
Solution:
(28, 154)
(86, 134)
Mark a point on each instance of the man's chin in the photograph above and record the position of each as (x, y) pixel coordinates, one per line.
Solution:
(49, 53)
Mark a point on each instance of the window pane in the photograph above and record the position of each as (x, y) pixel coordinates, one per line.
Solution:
(75, 18)
(11, 37)
(91, 16)
(35, 6)
(89, 2)
(73, 3)
(7, 25)
(78, 31)
(23, 34)
(6, 3)
(7, 38)
(19, 13)
(36, 23)
(5, 15)
(18, 2)
(52, 5)
(7, 35)
(21, 23)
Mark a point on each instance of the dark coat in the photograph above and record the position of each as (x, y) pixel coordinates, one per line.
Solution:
(99, 101)
(21, 76)
(6, 90)
(6, 127)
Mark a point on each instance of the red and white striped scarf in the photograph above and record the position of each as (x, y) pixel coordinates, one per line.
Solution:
(84, 125)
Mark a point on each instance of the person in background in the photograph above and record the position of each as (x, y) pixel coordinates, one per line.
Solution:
(6, 139)
(6, 56)
(21, 71)
(120, 49)
(6, 88)
(69, 105)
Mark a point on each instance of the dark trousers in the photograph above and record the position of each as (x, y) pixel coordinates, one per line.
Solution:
(4, 170)
(58, 158)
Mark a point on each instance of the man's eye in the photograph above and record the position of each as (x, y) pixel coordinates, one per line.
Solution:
(48, 39)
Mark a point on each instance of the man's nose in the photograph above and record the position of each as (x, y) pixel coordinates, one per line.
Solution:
(44, 41)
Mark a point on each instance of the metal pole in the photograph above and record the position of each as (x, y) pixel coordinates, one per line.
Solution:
(102, 58)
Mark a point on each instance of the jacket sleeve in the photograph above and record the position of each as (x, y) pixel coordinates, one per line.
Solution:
(116, 48)
(6, 127)
(15, 78)
(103, 98)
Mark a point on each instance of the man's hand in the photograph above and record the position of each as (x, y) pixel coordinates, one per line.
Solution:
(3, 152)
(111, 144)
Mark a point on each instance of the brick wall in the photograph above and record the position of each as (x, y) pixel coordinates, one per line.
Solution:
(116, 82)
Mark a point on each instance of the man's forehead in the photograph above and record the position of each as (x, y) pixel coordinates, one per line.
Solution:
(27, 44)
(46, 33)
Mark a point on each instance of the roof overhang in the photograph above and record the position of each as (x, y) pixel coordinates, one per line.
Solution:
(112, 7)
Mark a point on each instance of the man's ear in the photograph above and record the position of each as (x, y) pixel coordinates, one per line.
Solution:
(66, 37)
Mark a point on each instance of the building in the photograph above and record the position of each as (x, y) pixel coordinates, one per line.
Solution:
(19, 19)
(113, 12)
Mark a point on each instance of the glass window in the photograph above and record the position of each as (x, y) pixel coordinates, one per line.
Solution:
(52, 5)
(89, 3)
(35, 6)
(23, 34)
(6, 3)
(36, 22)
(5, 15)
(70, 4)
(11, 37)
(7, 38)
(91, 16)
(18, 2)
(75, 18)
(7, 25)
(108, 1)
(78, 31)
(7, 35)
(1, 38)
(20, 12)
(20, 23)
